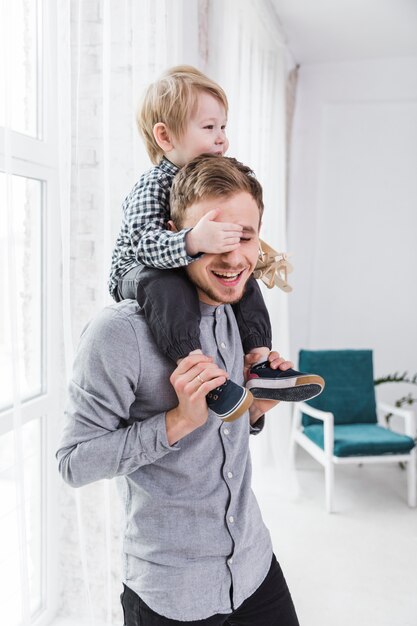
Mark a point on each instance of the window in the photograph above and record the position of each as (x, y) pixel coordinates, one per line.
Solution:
(26, 270)
(11, 550)
(23, 56)
(29, 337)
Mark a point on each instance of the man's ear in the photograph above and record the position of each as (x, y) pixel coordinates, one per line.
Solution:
(162, 137)
(172, 227)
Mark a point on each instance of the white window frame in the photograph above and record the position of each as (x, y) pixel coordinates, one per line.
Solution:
(38, 158)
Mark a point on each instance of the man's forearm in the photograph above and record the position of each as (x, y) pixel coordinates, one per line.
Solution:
(177, 426)
(113, 453)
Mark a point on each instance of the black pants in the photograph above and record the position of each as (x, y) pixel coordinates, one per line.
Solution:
(270, 605)
(170, 304)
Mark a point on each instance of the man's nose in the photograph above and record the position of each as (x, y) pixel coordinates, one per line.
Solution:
(233, 257)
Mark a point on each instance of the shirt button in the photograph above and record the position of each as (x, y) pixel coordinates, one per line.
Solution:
(219, 311)
(230, 561)
(229, 475)
(222, 345)
(231, 519)
(226, 431)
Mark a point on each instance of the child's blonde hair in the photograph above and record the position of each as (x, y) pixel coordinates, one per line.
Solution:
(172, 100)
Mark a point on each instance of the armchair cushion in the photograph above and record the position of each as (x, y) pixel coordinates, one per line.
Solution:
(349, 392)
(362, 440)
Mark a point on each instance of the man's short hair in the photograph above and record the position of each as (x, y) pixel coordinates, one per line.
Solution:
(172, 100)
(211, 176)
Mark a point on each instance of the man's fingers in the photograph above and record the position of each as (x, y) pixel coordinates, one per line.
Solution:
(252, 358)
(209, 385)
(196, 376)
(190, 361)
(281, 363)
(273, 355)
(199, 376)
(275, 361)
(286, 365)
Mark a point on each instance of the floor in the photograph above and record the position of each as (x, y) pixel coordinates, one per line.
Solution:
(355, 567)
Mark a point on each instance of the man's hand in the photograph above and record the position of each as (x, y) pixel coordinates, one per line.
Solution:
(192, 380)
(212, 237)
(259, 406)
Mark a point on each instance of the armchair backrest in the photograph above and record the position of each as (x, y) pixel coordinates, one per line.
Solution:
(349, 392)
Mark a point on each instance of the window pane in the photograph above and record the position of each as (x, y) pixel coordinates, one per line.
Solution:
(22, 85)
(25, 197)
(10, 552)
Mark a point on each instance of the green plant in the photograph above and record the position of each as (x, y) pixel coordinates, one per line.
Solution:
(409, 399)
(399, 378)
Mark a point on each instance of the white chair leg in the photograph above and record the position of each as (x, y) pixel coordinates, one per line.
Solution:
(412, 480)
(329, 479)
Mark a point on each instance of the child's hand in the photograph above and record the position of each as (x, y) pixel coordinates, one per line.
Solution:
(213, 237)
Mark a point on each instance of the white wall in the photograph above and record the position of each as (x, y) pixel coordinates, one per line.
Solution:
(353, 211)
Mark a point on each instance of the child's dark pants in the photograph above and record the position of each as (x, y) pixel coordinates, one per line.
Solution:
(170, 304)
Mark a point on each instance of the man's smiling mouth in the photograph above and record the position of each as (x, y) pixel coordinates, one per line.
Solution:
(226, 278)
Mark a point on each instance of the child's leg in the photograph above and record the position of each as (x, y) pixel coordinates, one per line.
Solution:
(176, 329)
(255, 331)
(253, 320)
(171, 307)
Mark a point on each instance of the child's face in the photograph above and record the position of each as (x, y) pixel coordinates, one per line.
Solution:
(204, 133)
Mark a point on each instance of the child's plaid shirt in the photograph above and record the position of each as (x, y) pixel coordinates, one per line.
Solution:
(144, 237)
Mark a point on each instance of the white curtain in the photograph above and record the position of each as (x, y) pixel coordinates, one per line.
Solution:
(108, 53)
(27, 397)
(12, 330)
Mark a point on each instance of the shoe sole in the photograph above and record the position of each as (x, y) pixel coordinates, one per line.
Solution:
(239, 409)
(295, 389)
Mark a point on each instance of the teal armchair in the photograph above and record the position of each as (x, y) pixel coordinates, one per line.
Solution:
(345, 425)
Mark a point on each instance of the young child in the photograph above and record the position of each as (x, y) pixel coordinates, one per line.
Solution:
(183, 115)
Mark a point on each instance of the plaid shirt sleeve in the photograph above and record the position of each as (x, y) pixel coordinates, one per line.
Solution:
(146, 213)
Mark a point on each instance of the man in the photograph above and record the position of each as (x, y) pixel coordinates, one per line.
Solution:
(195, 547)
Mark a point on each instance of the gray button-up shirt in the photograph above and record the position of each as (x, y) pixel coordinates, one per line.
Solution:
(194, 540)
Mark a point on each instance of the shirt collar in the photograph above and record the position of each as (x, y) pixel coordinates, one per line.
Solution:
(210, 309)
(168, 167)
